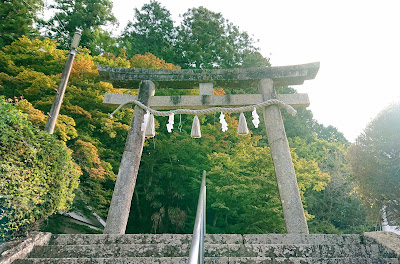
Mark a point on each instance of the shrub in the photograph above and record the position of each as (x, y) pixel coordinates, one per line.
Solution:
(37, 173)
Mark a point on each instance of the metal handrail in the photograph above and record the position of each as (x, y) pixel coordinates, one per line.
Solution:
(196, 255)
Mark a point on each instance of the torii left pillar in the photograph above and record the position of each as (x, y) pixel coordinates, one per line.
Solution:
(118, 213)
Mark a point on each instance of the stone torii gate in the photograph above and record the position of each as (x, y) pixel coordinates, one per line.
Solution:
(265, 78)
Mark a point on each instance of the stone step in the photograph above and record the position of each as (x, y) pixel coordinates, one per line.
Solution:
(211, 250)
(210, 260)
(87, 239)
(306, 250)
(131, 260)
(343, 260)
(302, 239)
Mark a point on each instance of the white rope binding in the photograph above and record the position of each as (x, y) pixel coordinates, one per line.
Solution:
(288, 108)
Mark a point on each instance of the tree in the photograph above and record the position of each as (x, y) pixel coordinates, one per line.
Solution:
(87, 15)
(166, 192)
(375, 164)
(152, 30)
(242, 192)
(17, 19)
(337, 208)
(148, 60)
(31, 68)
(206, 40)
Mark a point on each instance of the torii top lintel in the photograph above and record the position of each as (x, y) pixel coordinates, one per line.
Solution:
(189, 78)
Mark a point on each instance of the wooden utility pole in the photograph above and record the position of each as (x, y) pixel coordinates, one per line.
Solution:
(55, 108)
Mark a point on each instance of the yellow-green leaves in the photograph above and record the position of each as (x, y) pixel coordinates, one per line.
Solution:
(37, 174)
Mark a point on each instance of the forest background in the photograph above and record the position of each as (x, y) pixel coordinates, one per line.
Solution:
(242, 191)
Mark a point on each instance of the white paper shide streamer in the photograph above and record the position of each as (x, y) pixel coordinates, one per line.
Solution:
(223, 122)
(148, 125)
(145, 121)
(256, 118)
(170, 124)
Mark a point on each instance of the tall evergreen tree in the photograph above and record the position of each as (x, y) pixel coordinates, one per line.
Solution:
(88, 15)
(152, 30)
(17, 18)
(207, 40)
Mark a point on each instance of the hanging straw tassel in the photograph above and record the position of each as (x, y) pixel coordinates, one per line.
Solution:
(196, 133)
(150, 128)
(242, 128)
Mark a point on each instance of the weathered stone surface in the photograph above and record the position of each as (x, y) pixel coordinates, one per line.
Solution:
(292, 206)
(111, 250)
(126, 180)
(206, 88)
(186, 78)
(223, 239)
(168, 248)
(389, 240)
(232, 260)
(301, 239)
(310, 251)
(357, 260)
(205, 101)
(23, 248)
(93, 239)
(137, 260)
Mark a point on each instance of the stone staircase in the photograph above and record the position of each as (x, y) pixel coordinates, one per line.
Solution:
(168, 248)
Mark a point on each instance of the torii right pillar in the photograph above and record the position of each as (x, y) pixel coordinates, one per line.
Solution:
(292, 207)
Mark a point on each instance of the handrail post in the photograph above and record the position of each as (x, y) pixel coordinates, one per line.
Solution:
(196, 254)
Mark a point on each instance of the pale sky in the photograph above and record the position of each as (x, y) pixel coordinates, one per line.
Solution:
(357, 43)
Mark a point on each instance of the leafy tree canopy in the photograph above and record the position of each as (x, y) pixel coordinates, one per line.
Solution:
(87, 15)
(375, 163)
(169, 177)
(17, 18)
(203, 40)
(242, 195)
(152, 30)
(206, 40)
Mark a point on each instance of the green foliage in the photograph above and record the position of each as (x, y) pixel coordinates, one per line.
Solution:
(242, 193)
(304, 126)
(152, 30)
(17, 18)
(38, 176)
(166, 192)
(86, 15)
(34, 55)
(338, 207)
(374, 159)
(206, 40)
(203, 40)
(110, 60)
(148, 60)
(83, 119)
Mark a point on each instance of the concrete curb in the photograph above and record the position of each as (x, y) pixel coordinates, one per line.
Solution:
(24, 247)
